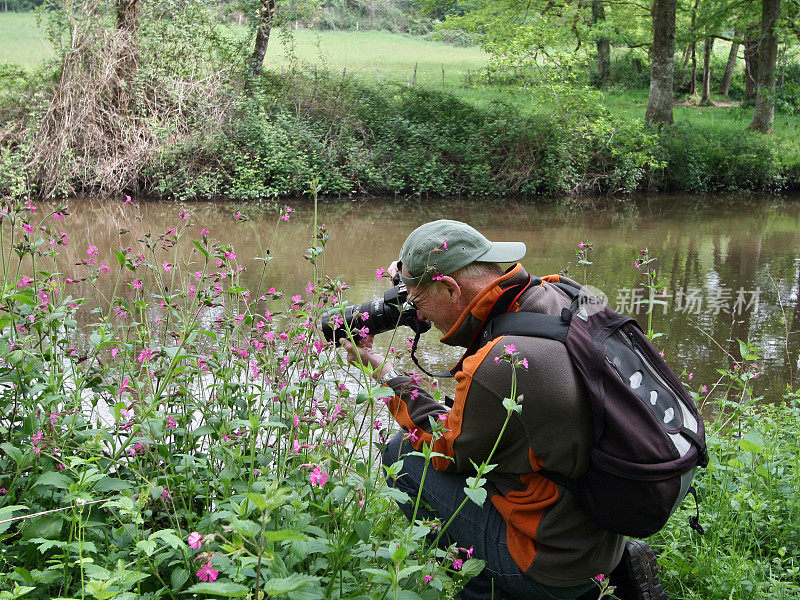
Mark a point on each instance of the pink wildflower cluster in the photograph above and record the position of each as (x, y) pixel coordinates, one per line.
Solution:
(318, 477)
(286, 213)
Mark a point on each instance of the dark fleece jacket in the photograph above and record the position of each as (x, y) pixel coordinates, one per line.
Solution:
(549, 536)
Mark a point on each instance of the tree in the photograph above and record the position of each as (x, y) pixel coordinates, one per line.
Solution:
(727, 76)
(708, 46)
(603, 43)
(767, 59)
(662, 53)
(264, 18)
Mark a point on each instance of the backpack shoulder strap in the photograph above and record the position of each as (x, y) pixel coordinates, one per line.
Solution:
(552, 327)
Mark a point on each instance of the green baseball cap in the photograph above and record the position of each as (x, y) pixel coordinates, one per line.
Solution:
(443, 247)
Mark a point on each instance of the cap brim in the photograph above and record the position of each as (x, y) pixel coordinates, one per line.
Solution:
(504, 252)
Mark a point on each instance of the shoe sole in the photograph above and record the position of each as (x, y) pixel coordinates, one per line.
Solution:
(643, 571)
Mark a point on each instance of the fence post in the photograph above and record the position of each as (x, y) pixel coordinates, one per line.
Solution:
(415, 74)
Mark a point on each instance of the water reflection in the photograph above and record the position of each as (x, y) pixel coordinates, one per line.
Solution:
(731, 269)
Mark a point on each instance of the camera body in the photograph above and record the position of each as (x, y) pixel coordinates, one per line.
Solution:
(382, 314)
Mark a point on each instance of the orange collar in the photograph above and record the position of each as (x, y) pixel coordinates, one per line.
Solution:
(482, 303)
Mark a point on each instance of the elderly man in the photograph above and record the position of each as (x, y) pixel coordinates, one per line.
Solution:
(536, 541)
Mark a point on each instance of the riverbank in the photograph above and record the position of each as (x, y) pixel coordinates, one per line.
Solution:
(188, 125)
(362, 140)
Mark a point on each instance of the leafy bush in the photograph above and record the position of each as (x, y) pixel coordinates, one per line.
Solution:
(749, 500)
(718, 159)
(188, 435)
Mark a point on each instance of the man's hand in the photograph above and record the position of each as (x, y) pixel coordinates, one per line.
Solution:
(363, 351)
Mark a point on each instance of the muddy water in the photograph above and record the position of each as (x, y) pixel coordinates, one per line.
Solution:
(730, 268)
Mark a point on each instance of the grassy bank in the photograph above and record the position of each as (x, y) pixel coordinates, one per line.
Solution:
(185, 435)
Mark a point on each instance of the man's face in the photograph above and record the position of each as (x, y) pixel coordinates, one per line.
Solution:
(435, 305)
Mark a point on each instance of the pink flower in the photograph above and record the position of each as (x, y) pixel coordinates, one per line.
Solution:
(28, 227)
(92, 251)
(24, 282)
(166, 266)
(59, 216)
(581, 244)
(691, 376)
(230, 255)
(704, 388)
(525, 362)
(104, 268)
(469, 552)
(3, 491)
(145, 354)
(457, 562)
(137, 284)
(510, 348)
(124, 387)
(195, 540)
(427, 578)
(599, 577)
(412, 435)
(379, 273)
(165, 494)
(114, 352)
(286, 212)
(171, 422)
(37, 437)
(204, 233)
(318, 477)
(206, 573)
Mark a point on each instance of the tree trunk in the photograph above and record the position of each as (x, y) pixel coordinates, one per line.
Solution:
(727, 77)
(662, 53)
(266, 14)
(767, 59)
(693, 48)
(750, 66)
(603, 44)
(705, 100)
(127, 23)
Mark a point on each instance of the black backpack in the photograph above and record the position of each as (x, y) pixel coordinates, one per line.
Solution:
(648, 435)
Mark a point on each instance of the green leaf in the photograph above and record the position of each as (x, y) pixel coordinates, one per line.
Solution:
(752, 442)
(111, 484)
(245, 528)
(407, 595)
(478, 495)
(219, 588)
(47, 527)
(178, 578)
(7, 512)
(283, 585)
(120, 257)
(146, 546)
(363, 529)
(203, 251)
(57, 480)
(14, 452)
(472, 567)
(168, 536)
(283, 534)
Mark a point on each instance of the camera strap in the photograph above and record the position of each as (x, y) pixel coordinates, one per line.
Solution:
(502, 305)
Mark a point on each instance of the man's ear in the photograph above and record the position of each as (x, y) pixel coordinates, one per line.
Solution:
(452, 289)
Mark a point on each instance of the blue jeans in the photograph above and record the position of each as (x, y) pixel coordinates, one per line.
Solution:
(483, 528)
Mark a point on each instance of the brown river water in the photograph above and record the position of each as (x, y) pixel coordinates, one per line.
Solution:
(730, 267)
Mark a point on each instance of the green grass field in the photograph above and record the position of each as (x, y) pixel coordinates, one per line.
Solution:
(21, 41)
(380, 57)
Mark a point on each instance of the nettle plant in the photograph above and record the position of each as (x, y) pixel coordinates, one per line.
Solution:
(187, 435)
